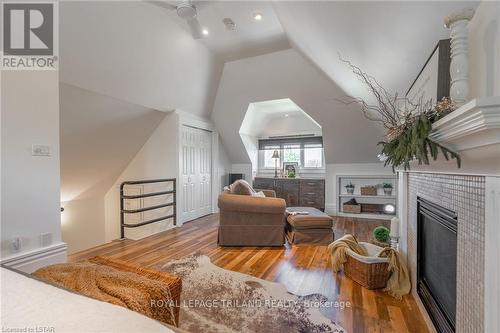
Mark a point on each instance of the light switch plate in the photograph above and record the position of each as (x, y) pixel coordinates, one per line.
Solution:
(41, 150)
(15, 244)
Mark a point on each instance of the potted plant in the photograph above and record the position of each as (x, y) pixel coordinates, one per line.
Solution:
(350, 188)
(387, 188)
(381, 235)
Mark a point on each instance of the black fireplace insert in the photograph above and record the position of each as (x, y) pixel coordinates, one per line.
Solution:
(437, 263)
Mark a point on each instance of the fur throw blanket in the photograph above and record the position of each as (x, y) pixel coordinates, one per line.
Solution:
(399, 281)
(116, 282)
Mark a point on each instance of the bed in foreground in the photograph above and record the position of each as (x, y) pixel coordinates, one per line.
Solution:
(36, 306)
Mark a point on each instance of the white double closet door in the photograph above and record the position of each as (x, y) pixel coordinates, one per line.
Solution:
(196, 173)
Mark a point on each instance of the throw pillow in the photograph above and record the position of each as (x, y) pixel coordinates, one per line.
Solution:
(259, 194)
(241, 187)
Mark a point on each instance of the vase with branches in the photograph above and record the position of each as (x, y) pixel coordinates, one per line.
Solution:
(407, 123)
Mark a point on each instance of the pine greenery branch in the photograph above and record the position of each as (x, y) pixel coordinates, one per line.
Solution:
(415, 144)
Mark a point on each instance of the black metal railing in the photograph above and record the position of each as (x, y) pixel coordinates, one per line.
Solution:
(124, 197)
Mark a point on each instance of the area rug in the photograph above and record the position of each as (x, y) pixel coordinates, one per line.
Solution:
(218, 300)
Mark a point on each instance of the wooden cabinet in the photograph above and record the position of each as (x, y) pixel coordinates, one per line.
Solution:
(296, 192)
(288, 189)
(312, 193)
(264, 183)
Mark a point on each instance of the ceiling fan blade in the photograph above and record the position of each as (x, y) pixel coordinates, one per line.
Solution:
(201, 4)
(195, 28)
(163, 4)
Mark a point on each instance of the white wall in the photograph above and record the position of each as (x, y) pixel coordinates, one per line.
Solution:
(99, 136)
(157, 159)
(223, 164)
(245, 169)
(251, 144)
(334, 170)
(484, 50)
(29, 184)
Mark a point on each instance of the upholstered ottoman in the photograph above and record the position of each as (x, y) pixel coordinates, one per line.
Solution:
(315, 227)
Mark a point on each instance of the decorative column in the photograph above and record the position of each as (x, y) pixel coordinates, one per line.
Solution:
(459, 67)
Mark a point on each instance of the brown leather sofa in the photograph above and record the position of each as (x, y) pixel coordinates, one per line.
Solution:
(251, 221)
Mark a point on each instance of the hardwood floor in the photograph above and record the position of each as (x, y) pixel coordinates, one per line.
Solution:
(302, 269)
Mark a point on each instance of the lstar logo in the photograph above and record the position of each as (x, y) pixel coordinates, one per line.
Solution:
(28, 29)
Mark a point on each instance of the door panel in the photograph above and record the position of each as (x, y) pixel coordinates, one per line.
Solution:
(196, 150)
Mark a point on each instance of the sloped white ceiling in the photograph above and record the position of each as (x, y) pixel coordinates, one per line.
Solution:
(348, 136)
(277, 118)
(248, 39)
(391, 40)
(133, 51)
(99, 137)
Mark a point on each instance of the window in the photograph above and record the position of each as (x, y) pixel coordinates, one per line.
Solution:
(291, 153)
(307, 152)
(269, 161)
(313, 156)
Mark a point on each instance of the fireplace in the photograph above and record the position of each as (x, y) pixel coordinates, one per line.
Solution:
(437, 263)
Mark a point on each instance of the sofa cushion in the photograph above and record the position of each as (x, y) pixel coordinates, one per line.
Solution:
(315, 219)
(249, 204)
(241, 187)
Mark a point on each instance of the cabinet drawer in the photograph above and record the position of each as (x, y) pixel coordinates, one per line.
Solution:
(311, 201)
(312, 185)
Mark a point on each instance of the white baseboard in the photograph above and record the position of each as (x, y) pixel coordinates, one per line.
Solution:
(330, 209)
(31, 260)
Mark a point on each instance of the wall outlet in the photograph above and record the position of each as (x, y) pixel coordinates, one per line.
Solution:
(15, 245)
(41, 150)
(46, 239)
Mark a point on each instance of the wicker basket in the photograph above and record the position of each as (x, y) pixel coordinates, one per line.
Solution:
(371, 272)
(368, 190)
(353, 209)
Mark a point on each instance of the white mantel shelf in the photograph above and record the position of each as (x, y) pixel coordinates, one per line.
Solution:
(473, 131)
(474, 125)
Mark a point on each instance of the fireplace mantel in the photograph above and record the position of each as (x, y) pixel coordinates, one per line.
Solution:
(475, 125)
(473, 131)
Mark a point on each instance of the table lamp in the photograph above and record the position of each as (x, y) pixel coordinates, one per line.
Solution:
(276, 156)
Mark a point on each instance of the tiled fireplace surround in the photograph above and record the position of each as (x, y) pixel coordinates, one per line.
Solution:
(465, 195)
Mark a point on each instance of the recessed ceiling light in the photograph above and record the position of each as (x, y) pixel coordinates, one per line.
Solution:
(257, 16)
(286, 114)
(204, 32)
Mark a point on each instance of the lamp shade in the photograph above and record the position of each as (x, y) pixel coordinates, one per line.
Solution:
(276, 154)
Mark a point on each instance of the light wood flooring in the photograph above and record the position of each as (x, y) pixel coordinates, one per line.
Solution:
(302, 269)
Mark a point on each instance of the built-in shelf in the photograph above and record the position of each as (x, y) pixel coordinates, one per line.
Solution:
(367, 196)
(368, 216)
(368, 200)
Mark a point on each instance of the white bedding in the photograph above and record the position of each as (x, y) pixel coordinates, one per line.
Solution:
(29, 305)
